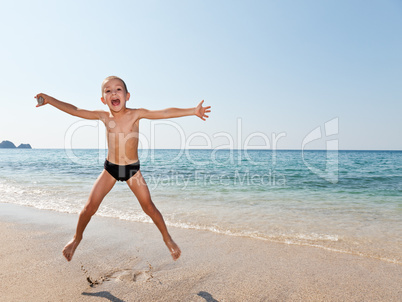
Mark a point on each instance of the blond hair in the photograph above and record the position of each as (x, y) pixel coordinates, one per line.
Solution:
(113, 78)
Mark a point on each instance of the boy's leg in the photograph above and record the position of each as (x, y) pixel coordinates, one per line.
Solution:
(102, 186)
(140, 189)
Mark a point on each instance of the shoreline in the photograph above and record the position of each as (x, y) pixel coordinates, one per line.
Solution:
(240, 234)
(127, 261)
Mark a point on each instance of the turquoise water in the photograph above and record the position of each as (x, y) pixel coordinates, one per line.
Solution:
(346, 201)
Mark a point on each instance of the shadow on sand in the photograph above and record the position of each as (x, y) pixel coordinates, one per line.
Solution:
(207, 296)
(106, 295)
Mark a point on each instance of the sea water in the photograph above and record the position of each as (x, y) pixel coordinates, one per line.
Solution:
(345, 202)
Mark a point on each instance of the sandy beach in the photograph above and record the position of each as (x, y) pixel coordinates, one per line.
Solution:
(126, 261)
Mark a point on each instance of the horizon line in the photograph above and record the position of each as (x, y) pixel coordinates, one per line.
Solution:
(212, 149)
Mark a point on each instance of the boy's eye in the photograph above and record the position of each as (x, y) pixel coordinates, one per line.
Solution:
(118, 89)
(107, 91)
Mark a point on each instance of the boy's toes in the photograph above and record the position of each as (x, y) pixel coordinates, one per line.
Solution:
(66, 255)
(174, 249)
(69, 249)
(176, 255)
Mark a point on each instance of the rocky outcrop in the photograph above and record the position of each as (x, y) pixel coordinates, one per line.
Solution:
(10, 145)
(7, 144)
(25, 146)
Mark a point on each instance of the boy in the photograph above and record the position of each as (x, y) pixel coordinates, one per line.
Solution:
(122, 127)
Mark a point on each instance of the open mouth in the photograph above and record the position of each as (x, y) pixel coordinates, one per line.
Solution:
(115, 102)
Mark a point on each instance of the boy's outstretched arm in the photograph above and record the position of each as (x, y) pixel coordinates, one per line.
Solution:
(199, 111)
(69, 108)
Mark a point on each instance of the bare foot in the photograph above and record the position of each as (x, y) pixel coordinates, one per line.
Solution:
(69, 249)
(174, 249)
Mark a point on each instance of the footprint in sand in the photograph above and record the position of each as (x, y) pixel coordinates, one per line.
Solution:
(129, 275)
(126, 275)
(92, 281)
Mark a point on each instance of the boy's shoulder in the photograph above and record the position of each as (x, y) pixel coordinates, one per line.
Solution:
(133, 112)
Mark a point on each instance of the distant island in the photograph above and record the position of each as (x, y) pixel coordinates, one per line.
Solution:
(10, 145)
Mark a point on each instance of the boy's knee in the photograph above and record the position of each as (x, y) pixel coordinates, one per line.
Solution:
(149, 209)
(89, 210)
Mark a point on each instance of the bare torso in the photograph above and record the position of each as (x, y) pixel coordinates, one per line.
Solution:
(122, 132)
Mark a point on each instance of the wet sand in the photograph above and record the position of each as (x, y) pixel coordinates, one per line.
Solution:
(127, 261)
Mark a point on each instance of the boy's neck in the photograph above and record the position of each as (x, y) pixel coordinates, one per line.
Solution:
(119, 113)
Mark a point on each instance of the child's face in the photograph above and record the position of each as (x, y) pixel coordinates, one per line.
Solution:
(114, 95)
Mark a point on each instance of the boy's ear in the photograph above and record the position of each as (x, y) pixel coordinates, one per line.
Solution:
(103, 100)
(127, 96)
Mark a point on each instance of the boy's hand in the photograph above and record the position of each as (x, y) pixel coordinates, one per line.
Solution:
(41, 96)
(200, 111)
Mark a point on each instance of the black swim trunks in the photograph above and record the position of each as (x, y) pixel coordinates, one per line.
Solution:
(122, 173)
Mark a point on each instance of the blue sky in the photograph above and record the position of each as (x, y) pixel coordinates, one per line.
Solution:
(265, 67)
